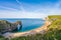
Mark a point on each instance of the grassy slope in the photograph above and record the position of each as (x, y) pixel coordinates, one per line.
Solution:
(54, 32)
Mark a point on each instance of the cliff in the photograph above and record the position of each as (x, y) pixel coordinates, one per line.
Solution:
(6, 26)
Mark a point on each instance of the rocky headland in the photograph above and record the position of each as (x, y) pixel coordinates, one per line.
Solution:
(6, 26)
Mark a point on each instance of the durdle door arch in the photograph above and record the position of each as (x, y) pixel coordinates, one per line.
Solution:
(19, 25)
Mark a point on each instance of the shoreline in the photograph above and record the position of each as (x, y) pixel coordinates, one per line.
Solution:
(41, 30)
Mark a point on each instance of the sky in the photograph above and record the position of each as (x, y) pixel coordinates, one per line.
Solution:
(29, 8)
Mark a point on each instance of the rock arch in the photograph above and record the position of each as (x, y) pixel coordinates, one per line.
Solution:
(19, 23)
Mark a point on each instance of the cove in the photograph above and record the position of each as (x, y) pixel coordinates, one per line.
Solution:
(27, 24)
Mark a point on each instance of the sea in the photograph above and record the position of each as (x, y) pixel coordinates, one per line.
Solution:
(27, 24)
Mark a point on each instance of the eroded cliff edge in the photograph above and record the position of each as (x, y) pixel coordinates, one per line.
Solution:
(6, 26)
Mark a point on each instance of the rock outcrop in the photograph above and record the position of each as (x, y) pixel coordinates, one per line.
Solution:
(6, 26)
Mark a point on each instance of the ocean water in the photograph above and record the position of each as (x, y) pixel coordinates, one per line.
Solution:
(27, 24)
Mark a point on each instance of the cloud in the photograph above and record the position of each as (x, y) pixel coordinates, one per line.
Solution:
(21, 5)
(8, 8)
(53, 9)
(18, 14)
(40, 12)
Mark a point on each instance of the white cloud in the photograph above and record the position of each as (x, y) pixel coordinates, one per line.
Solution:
(7, 8)
(39, 13)
(18, 14)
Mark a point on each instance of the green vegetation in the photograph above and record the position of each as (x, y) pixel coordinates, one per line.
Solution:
(54, 32)
(2, 38)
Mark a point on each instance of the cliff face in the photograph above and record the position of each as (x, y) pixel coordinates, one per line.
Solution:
(6, 26)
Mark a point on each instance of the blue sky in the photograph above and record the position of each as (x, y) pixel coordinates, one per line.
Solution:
(29, 8)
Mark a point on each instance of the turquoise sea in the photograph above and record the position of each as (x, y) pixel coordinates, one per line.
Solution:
(27, 24)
